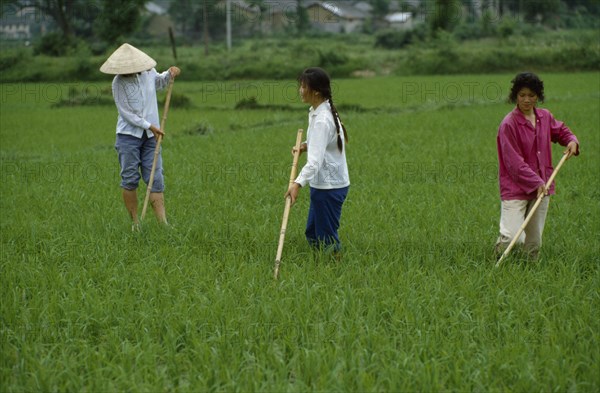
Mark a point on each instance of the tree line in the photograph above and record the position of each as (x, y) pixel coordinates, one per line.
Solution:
(109, 21)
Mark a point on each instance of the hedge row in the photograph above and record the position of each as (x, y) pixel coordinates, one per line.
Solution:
(284, 59)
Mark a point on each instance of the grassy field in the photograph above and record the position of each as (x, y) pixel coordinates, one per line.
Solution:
(415, 305)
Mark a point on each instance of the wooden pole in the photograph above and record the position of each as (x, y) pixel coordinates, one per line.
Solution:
(205, 26)
(228, 24)
(173, 47)
(532, 211)
(288, 204)
(157, 149)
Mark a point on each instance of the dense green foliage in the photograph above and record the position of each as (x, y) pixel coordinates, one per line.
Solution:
(75, 22)
(279, 58)
(118, 19)
(415, 304)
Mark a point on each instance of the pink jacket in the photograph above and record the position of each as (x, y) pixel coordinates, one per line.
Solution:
(525, 153)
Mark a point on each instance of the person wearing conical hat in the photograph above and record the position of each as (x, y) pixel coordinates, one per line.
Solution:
(134, 90)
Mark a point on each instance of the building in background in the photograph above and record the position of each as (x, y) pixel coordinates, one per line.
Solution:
(400, 20)
(22, 24)
(335, 16)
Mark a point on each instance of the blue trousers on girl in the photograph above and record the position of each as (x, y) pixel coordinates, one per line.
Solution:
(324, 218)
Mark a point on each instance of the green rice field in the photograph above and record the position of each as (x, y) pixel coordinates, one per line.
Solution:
(414, 305)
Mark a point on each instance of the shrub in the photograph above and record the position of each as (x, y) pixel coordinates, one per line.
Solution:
(347, 69)
(247, 103)
(329, 58)
(392, 39)
(527, 46)
(397, 39)
(507, 27)
(84, 68)
(99, 48)
(487, 24)
(467, 31)
(53, 44)
(12, 59)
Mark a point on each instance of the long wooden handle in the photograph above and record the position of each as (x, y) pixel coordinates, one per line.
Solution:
(157, 148)
(288, 203)
(532, 211)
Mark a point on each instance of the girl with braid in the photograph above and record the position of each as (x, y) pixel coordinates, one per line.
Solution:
(326, 171)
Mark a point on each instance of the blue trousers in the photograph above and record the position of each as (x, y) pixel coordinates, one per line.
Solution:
(324, 216)
(135, 155)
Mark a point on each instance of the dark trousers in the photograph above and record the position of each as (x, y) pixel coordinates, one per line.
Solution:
(324, 216)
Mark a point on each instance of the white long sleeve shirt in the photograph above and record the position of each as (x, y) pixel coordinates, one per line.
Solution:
(326, 166)
(135, 97)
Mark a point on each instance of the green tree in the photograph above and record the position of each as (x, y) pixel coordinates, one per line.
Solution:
(541, 10)
(118, 18)
(534, 11)
(303, 19)
(185, 14)
(196, 18)
(73, 18)
(592, 6)
(445, 15)
(380, 8)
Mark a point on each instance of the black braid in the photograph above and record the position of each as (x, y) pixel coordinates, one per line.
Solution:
(317, 80)
(337, 121)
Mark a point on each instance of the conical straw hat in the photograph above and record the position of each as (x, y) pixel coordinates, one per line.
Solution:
(127, 60)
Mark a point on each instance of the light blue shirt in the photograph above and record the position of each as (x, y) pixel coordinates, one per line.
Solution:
(135, 97)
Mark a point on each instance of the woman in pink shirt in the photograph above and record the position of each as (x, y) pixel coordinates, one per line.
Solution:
(525, 162)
